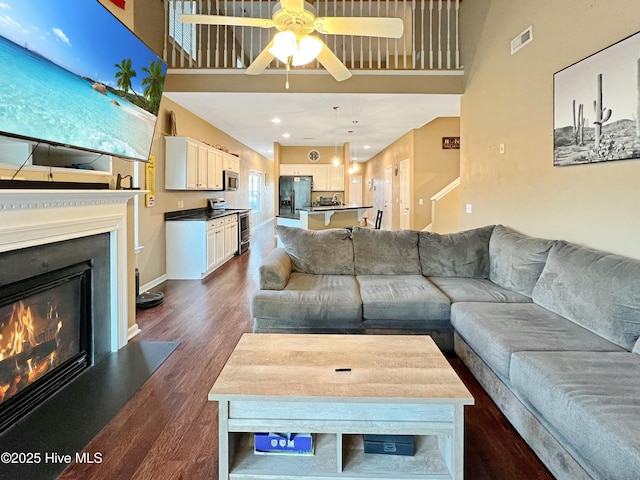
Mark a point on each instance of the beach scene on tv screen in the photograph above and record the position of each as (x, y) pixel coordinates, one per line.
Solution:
(72, 74)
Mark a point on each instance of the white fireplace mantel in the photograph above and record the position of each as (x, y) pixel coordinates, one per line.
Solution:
(36, 217)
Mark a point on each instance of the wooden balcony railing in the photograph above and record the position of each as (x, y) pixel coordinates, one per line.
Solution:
(430, 40)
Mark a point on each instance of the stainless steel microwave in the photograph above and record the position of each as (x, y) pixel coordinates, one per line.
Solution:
(231, 180)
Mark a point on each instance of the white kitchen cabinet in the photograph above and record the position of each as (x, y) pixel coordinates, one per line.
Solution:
(215, 243)
(294, 169)
(196, 248)
(220, 241)
(326, 177)
(320, 177)
(335, 182)
(231, 162)
(192, 165)
(230, 236)
(214, 169)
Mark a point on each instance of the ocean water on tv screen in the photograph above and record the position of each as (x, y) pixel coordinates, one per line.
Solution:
(42, 100)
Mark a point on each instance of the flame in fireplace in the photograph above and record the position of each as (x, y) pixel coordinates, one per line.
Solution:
(22, 334)
(28, 333)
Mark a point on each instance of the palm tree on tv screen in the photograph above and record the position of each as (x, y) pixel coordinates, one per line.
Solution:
(124, 75)
(153, 83)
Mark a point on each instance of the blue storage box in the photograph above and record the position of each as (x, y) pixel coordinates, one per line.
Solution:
(269, 443)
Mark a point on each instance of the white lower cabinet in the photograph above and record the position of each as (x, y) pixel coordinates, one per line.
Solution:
(230, 236)
(196, 248)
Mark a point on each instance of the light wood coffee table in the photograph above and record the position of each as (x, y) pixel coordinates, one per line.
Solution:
(397, 384)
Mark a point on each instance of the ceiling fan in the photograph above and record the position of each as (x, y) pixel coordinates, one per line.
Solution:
(293, 44)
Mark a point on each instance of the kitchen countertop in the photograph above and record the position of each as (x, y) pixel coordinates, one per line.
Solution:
(201, 214)
(337, 208)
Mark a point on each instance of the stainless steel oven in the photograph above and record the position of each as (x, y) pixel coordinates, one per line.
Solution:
(231, 180)
(244, 231)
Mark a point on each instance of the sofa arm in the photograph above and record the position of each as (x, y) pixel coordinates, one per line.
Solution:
(275, 270)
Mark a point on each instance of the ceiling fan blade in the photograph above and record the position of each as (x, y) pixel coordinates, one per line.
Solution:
(222, 20)
(334, 66)
(292, 5)
(262, 61)
(363, 26)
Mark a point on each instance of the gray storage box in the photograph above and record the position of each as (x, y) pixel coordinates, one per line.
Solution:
(390, 444)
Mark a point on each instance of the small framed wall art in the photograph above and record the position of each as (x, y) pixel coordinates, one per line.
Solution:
(451, 143)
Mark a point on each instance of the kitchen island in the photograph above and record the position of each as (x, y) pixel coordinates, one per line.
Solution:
(333, 216)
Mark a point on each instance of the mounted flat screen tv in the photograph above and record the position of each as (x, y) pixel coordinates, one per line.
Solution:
(71, 74)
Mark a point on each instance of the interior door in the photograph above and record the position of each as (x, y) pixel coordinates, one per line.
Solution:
(355, 190)
(405, 195)
(387, 215)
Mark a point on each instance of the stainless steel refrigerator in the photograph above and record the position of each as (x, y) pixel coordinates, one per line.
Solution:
(295, 193)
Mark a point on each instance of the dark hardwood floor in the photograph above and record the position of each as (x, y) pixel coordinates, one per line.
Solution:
(168, 430)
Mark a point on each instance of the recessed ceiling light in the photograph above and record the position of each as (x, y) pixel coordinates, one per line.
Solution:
(286, 135)
(366, 147)
(276, 120)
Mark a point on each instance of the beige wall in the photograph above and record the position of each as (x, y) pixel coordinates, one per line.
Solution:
(509, 99)
(151, 259)
(399, 150)
(299, 154)
(432, 168)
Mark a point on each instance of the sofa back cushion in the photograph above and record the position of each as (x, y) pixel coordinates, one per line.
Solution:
(597, 290)
(461, 254)
(381, 252)
(515, 260)
(321, 252)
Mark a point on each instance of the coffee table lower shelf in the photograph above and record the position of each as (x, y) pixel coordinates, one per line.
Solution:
(338, 456)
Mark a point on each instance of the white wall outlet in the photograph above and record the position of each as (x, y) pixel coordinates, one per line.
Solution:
(468, 208)
(502, 149)
(420, 201)
(180, 203)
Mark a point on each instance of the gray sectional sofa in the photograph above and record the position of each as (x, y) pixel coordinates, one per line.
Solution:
(550, 329)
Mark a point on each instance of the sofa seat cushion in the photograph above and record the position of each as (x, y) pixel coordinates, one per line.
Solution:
(382, 252)
(598, 290)
(460, 289)
(401, 297)
(317, 298)
(496, 330)
(592, 400)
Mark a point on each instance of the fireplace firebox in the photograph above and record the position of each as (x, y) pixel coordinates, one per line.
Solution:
(44, 337)
(54, 319)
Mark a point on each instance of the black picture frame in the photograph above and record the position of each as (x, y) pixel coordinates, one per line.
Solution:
(596, 106)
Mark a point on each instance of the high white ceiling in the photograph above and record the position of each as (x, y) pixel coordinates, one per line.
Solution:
(310, 119)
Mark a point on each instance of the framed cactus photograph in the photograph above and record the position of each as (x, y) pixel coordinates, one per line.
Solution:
(596, 106)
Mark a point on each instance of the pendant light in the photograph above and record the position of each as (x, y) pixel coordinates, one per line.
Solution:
(336, 159)
(353, 167)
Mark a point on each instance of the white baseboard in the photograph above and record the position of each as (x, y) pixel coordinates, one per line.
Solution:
(264, 222)
(133, 331)
(153, 283)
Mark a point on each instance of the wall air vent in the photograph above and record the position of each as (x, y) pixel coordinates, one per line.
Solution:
(522, 39)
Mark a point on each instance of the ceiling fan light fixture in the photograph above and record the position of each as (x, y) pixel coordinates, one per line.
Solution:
(309, 48)
(301, 50)
(284, 45)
